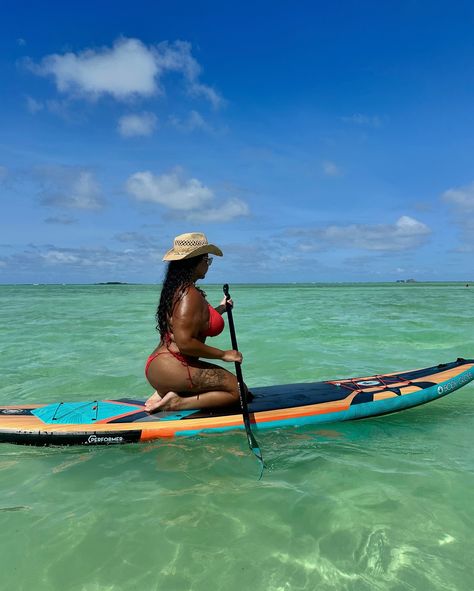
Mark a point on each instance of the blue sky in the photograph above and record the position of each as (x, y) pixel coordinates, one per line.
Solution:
(311, 141)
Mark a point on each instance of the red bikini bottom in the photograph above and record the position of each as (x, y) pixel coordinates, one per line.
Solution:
(177, 356)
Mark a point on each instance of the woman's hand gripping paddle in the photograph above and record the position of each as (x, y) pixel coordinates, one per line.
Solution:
(253, 444)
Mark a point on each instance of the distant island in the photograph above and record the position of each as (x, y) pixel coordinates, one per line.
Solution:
(406, 280)
(111, 283)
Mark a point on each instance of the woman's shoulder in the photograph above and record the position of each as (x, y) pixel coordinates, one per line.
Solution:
(195, 292)
(193, 297)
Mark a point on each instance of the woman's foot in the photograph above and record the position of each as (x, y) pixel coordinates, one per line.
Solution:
(170, 401)
(153, 402)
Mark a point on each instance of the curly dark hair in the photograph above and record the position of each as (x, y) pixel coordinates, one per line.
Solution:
(178, 278)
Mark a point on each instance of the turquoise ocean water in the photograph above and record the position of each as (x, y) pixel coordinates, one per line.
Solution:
(384, 503)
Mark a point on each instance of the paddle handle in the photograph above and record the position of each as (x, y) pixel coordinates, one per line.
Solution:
(233, 337)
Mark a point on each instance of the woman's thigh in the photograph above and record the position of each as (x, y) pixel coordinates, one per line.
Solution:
(209, 377)
(169, 374)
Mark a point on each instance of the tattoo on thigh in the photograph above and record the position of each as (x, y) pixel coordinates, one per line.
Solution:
(210, 379)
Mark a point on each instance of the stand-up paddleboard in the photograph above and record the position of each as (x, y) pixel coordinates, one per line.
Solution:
(125, 420)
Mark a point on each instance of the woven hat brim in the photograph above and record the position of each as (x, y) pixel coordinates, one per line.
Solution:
(172, 255)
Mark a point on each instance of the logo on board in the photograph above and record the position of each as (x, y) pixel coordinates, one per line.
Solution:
(456, 383)
(95, 439)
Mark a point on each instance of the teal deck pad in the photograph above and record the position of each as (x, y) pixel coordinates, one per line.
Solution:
(81, 413)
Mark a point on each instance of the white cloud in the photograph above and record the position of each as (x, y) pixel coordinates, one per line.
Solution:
(188, 196)
(143, 124)
(21, 42)
(227, 211)
(36, 259)
(177, 57)
(126, 70)
(462, 198)
(61, 220)
(57, 257)
(57, 107)
(85, 192)
(140, 239)
(363, 120)
(68, 187)
(331, 169)
(194, 121)
(198, 89)
(171, 190)
(33, 105)
(62, 109)
(405, 234)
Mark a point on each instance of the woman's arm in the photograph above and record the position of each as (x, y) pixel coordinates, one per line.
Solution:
(188, 319)
(222, 308)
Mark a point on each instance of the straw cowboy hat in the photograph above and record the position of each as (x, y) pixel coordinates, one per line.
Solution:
(191, 245)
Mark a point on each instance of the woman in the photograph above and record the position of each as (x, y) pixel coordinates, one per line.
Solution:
(184, 320)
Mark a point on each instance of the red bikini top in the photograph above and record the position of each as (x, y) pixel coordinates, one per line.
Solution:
(216, 323)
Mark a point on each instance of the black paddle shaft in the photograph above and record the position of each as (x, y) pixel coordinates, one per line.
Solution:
(253, 444)
(233, 339)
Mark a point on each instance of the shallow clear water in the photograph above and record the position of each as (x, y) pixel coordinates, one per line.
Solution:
(384, 503)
